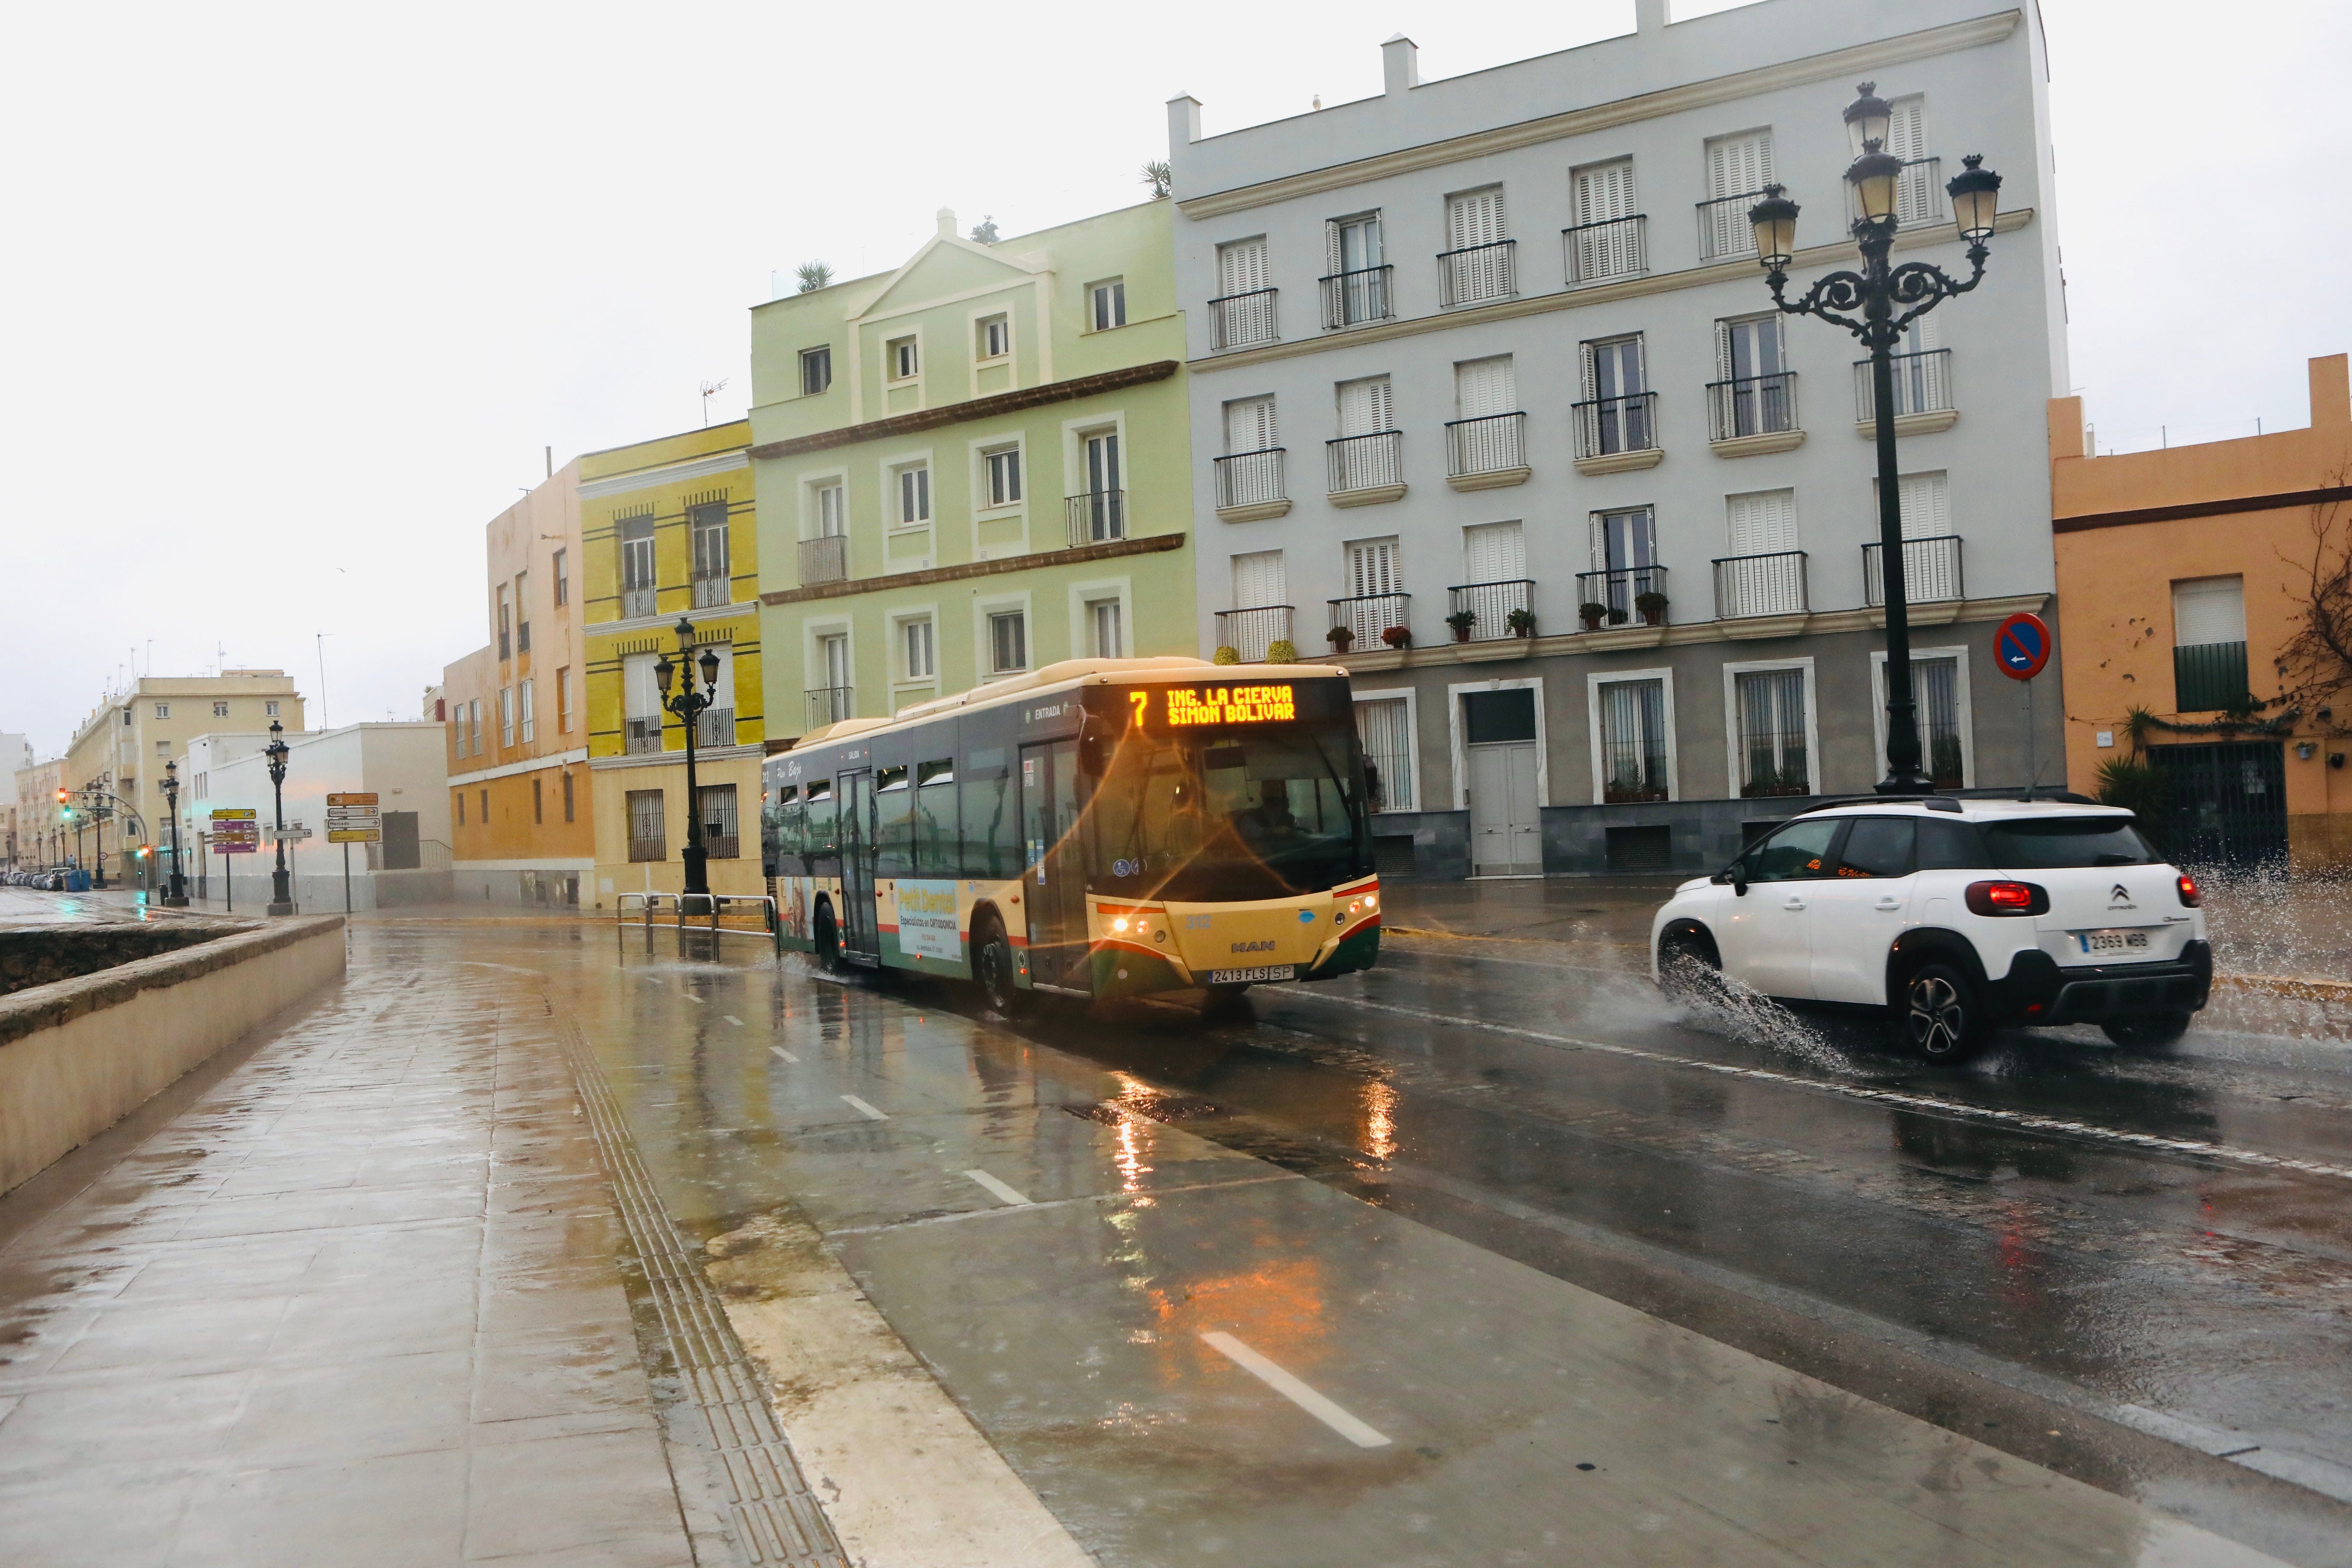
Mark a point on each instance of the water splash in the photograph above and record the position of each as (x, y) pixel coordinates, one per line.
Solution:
(1705, 998)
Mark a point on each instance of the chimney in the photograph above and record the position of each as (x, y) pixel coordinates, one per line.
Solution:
(1183, 122)
(2066, 428)
(1650, 17)
(1400, 66)
(2331, 391)
(946, 223)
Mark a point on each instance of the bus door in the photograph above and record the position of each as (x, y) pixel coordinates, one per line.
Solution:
(1054, 875)
(857, 933)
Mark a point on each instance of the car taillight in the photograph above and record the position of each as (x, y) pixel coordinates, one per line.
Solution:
(2007, 899)
(2190, 898)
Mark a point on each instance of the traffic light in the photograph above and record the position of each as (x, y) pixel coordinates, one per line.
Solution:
(145, 850)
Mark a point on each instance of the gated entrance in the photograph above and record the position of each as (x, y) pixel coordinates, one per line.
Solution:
(2229, 802)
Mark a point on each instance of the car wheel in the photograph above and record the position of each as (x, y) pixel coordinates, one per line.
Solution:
(827, 937)
(1689, 968)
(992, 964)
(1943, 1017)
(2154, 1029)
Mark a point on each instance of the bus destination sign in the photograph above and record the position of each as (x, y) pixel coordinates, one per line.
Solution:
(1189, 706)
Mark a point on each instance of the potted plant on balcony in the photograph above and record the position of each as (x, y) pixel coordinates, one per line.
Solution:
(1282, 650)
(1593, 615)
(1227, 656)
(1340, 638)
(1653, 606)
(1462, 621)
(1398, 636)
(1522, 622)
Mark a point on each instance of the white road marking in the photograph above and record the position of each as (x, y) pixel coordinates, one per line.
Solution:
(1010, 1195)
(779, 1050)
(691, 997)
(862, 1108)
(732, 1019)
(1926, 1102)
(1297, 1393)
(653, 980)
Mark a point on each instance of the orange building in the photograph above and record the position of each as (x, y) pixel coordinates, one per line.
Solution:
(2191, 579)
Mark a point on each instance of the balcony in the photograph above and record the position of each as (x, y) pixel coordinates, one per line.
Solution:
(1617, 434)
(2208, 677)
(715, 727)
(1367, 468)
(645, 735)
(1619, 590)
(1098, 517)
(1923, 394)
(1249, 486)
(1489, 606)
(1367, 616)
(1250, 633)
(1243, 321)
(1750, 585)
(1487, 453)
(831, 704)
(635, 602)
(1352, 298)
(708, 592)
(1477, 274)
(824, 559)
(1753, 414)
(1599, 252)
(1931, 570)
(1724, 232)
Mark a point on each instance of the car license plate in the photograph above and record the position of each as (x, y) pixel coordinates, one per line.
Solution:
(2113, 941)
(1248, 977)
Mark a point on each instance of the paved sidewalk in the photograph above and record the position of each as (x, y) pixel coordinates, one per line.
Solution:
(350, 1295)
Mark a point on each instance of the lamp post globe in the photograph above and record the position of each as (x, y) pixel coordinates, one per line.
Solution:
(281, 888)
(175, 890)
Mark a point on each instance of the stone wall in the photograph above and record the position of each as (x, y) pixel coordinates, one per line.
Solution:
(37, 955)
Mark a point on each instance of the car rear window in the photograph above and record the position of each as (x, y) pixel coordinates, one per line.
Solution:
(2058, 842)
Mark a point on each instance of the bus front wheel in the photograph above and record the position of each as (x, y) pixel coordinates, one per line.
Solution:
(991, 962)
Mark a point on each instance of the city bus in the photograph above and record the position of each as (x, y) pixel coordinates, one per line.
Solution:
(1096, 828)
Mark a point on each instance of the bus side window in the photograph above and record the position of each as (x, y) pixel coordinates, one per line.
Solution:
(818, 836)
(936, 853)
(894, 809)
(990, 831)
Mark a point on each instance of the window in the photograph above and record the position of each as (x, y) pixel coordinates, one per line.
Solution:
(832, 511)
(1495, 578)
(522, 612)
(1366, 456)
(995, 337)
(563, 565)
(637, 543)
(1764, 574)
(1106, 304)
(1625, 551)
(126, 716)
(506, 716)
(1261, 612)
(914, 495)
(484, 797)
(527, 716)
(564, 700)
(162, 748)
(461, 808)
(220, 710)
(816, 371)
(1738, 169)
(1105, 632)
(538, 802)
(1243, 313)
(2208, 644)
(1753, 393)
(1476, 263)
(1770, 705)
(1384, 726)
(1008, 642)
(1633, 740)
(1936, 692)
(506, 624)
(708, 522)
(1356, 287)
(163, 711)
(903, 361)
(645, 835)
(1918, 195)
(1615, 413)
(475, 723)
(1797, 853)
(1249, 425)
(918, 653)
(1606, 241)
(1486, 435)
(641, 704)
(1931, 555)
(716, 807)
(1004, 476)
(567, 794)
(269, 709)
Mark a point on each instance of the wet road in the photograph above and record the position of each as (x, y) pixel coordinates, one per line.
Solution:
(1487, 1256)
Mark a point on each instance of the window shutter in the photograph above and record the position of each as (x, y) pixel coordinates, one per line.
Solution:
(1906, 129)
(1606, 194)
(1365, 406)
(1258, 579)
(1334, 261)
(1495, 553)
(1249, 425)
(2209, 610)
(1474, 217)
(1924, 502)
(1241, 266)
(1764, 522)
(1485, 386)
(1371, 567)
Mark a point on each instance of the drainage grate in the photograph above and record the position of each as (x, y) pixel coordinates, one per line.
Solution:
(772, 1516)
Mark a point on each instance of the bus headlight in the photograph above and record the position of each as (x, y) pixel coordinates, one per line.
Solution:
(1119, 924)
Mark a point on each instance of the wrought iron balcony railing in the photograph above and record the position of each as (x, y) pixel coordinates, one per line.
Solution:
(1368, 615)
(1490, 605)
(1251, 632)
(1751, 405)
(1352, 298)
(1365, 462)
(715, 727)
(1724, 231)
(824, 559)
(1477, 273)
(635, 602)
(1606, 426)
(1923, 384)
(1618, 591)
(1249, 478)
(1598, 252)
(709, 591)
(1491, 444)
(643, 735)
(1931, 570)
(1238, 321)
(1097, 517)
(831, 704)
(1771, 584)
(648, 849)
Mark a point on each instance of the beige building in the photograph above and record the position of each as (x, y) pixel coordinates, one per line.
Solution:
(120, 750)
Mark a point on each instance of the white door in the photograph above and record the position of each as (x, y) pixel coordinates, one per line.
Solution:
(1241, 267)
(1252, 471)
(1737, 167)
(1604, 196)
(1764, 936)
(1505, 829)
(1365, 410)
(1918, 198)
(1764, 577)
(1857, 914)
(1259, 585)
(1931, 571)
(1482, 442)
(1495, 553)
(1246, 314)
(1474, 224)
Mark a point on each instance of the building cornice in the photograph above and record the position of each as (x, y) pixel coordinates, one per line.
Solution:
(987, 408)
(1110, 550)
(662, 621)
(1836, 64)
(676, 759)
(529, 765)
(2280, 500)
(1836, 255)
(668, 473)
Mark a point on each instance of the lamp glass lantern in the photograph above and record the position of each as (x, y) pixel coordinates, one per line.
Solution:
(663, 670)
(1873, 176)
(1868, 118)
(1775, 221)
(710, 664)
(1976, 198)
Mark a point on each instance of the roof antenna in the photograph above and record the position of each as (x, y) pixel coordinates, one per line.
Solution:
(707, 388)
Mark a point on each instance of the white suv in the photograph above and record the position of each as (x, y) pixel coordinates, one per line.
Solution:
(1957, 916)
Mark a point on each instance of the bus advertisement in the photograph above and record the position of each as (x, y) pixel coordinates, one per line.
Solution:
(1102, 827)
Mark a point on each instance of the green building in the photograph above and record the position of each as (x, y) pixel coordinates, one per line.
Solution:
(970, 468)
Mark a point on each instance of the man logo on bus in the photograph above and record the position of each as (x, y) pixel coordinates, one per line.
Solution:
(1253, 947)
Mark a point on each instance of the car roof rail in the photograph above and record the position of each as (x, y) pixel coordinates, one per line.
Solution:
(1932, 801)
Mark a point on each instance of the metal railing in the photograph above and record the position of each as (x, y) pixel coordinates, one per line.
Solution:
(1365, 462)
(1600, 251)
(643, 735)
(1237, 321)
(2209, 676)
(710, 910)
(635, 602)
(824, 559)
(1247, 479)
(707, 591)
(1350, 299)
(1770, 585)
(1491, 604)
(1606, 426)
(1918, 195)
(1251, 632)
(721, 846)
(656, 848)
(1490, 444)
(1477, 273)
(715, 727)
(1615, 590)
(1923, 384)
(1931, 570)
(1724, 231)
(1369, 615)
(1097, 517)
(830, 704)
(1751, 405)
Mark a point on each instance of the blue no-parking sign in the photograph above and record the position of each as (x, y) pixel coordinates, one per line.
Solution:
(2021, 644)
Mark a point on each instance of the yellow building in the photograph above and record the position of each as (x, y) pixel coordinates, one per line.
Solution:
(668, 536)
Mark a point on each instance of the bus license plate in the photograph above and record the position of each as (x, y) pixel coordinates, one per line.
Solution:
(1248, 977)
(2113, 941)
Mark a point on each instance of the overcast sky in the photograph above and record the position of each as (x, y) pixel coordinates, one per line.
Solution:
(295, 295)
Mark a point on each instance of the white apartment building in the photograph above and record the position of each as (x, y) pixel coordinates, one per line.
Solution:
(1489, 397)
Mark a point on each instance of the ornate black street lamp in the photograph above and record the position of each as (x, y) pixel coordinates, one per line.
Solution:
(175, 895)
(689, 705)
(1889, 299)
(282, 890)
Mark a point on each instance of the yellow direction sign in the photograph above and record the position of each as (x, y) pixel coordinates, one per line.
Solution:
(355, 819)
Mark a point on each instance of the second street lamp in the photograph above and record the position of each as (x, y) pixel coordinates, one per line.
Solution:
(1888, 299)
(175, 895)
(281, 892)
(689, 705)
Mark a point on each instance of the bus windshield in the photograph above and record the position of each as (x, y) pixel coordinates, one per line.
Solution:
(1227, 813)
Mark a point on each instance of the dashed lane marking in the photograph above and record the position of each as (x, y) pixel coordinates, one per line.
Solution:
(1926, 1102)
(732, 1019)
(1362, 1435)
(690, 997)
(778, 1050)
(1013, 1196)
(862, 1108)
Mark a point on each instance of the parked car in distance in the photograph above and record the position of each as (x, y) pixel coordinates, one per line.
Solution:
(1955, 917)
